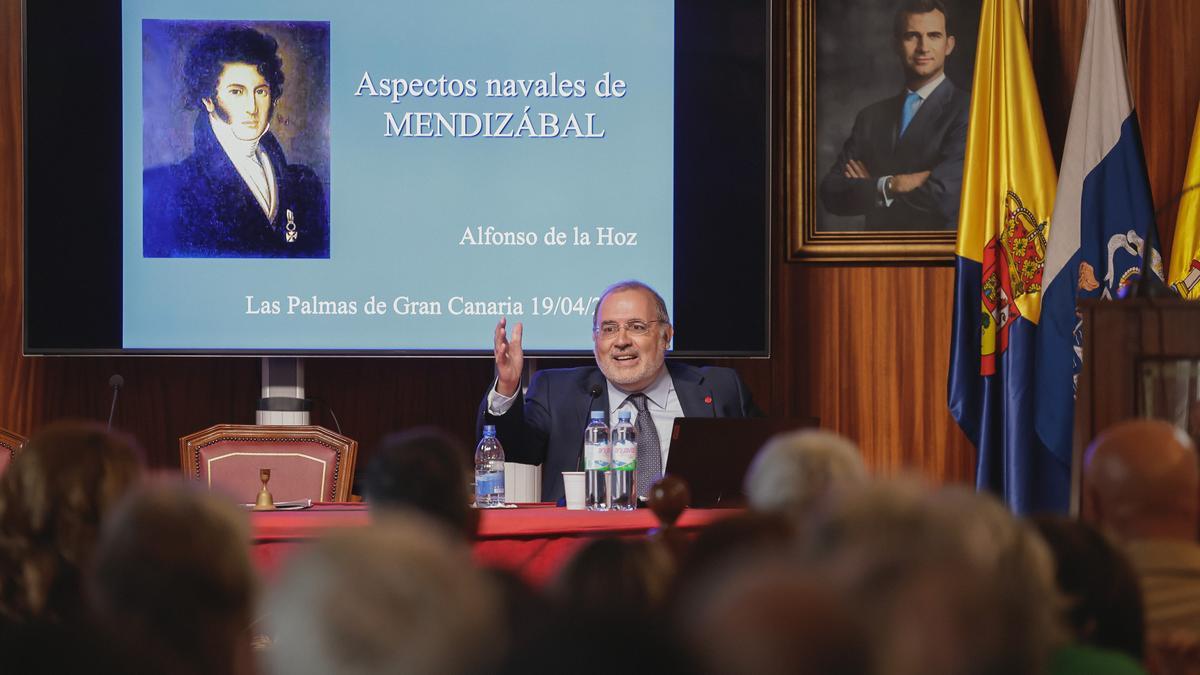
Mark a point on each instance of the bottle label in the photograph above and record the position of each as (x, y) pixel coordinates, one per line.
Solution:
(597, 456)
(624, 456)
(489, 484)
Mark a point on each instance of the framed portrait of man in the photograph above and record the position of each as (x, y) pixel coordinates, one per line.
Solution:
(876, 137)
(235, 139)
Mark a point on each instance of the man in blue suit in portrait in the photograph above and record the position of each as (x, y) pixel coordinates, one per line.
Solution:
(631, 332)
(902, 166)
(235, 196)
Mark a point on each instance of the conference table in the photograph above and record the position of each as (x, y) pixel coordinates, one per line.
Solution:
(532, 540)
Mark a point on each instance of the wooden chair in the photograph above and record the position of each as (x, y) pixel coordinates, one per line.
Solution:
(306, 462)
(10, 443)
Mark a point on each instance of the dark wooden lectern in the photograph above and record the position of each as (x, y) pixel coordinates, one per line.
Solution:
(1122, 338)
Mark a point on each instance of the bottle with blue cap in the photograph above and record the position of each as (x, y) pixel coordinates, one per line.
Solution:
(489, 470)
(597, 458)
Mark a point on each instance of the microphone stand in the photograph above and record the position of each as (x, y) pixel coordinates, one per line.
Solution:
(116, 382)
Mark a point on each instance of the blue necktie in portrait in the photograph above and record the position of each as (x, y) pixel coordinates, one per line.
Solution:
(910, 108)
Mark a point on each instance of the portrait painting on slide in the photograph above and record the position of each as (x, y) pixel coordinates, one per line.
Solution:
(235, 131)
(883, 88)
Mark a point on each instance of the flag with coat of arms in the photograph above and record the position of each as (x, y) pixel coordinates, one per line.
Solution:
(1007, 197)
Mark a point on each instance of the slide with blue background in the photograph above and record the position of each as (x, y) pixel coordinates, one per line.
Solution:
(475, 158)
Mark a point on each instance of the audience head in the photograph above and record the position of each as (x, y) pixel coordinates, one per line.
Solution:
(616, 577)
(426, 470)
(1022, 624)
(1103, 603)
(53, 497)
(794, 472)
(525, 607)
(771, 616)
(172, 580)
(399, 595)
(731, 542)
(946, 581)
(1141, 481)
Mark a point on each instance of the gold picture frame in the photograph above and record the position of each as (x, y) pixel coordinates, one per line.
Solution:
(808, 241)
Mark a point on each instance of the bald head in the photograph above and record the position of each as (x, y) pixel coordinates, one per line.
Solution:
(1142, 481)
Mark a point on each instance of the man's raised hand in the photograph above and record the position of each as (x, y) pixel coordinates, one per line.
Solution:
(510, 358)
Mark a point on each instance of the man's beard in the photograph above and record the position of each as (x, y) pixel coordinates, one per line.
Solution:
(650, 364)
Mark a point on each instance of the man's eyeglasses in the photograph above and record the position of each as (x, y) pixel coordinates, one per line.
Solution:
(637, 327)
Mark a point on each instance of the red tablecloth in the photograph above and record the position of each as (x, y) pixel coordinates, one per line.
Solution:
(534, 540)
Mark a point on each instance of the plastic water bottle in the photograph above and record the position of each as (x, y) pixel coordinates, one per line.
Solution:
(597, 459)
(489, 470)
(624, 464)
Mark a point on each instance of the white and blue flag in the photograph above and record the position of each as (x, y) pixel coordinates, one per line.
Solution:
(1103, 221)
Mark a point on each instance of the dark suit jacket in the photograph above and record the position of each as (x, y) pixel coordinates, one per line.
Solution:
(546, 426)
(935, 141)
(201, 207)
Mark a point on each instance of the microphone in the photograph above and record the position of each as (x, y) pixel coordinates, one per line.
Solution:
(116, 382)
(1149, 284)
(594, 393)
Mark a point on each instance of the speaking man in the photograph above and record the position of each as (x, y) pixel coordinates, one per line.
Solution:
(902, 166)
(236, 195)
(630, 335)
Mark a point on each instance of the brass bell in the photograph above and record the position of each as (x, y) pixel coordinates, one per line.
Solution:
(264, 501)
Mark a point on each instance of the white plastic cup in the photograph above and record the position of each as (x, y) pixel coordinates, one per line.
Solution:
(574, 485)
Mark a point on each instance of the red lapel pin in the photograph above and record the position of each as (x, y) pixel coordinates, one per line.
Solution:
(708, 400)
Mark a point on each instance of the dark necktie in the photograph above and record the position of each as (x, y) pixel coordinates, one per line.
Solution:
(649, 454)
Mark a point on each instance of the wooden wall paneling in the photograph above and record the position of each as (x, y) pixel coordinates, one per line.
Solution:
(787, 399)
(163, 398)
(375, 396)
(874, 346)
(19, 378)
(1162, 52)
